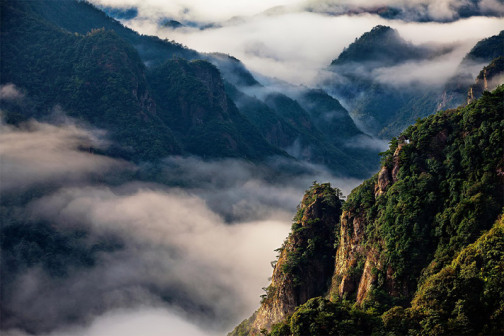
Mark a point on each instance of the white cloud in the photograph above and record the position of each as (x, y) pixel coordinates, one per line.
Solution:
(468, 31)
(292, 47)
(10, 92)
(133, 322)
(492, 5)
(172, 241)
(411, 10)
(198, 10)
(38, 152)
(295, 46)
(431, 73)
(169, 242)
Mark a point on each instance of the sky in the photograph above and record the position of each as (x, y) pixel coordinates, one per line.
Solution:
(295, 41)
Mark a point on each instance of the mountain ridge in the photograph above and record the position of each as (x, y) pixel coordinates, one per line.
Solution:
(112, 78)
(436, 194)
(383, 109)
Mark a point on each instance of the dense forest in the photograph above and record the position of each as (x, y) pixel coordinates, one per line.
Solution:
(157, 98)
(418, 248)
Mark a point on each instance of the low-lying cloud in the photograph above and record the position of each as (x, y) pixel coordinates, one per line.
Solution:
(131, 322)
(10, 92)
(172, 245)
(84, 256)
(295, 45)
(292, 46)
(41, 153)
(430, 73)
(411, 10)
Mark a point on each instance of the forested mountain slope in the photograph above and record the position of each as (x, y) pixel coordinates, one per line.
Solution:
(484, 52)
(100, 78)
(417, 249)
(156, 98)
(369, 77)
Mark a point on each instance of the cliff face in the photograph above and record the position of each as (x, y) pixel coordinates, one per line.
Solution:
(191, 99)
(488, 79)
(486, 51)
(358, 261)
(306, 260)
(350, 255)
(439, 188)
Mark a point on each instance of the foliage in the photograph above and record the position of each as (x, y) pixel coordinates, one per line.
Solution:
(243, 328)
(486, 50)
(467, 296)
(431, 226)
(97, 78)
(447, 190)
(309, 237)
(81, 17)
(319, 316)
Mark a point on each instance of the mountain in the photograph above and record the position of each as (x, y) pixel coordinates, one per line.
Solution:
(486, 50)
(97, 77)
(483, 53)
(233, 70)
(419, 11)
(309, 124)
(417, 249)
(382, 45)
(299, 272)
(101, 79)
(381, 108)
(488, 79)
(82, 17)
(157, 98)
(193, 101)
(314, 127)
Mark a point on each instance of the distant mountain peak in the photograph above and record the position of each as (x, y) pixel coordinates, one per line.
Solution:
(381, 29)
(486, 50)
(382, 46)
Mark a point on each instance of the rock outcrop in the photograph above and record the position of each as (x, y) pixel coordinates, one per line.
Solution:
(306, 260)
(349, 255)
(398, 238)
(488, 79)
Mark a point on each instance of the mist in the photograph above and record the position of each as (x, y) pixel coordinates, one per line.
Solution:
(84, 256)
(40, 153)
(276, 42)
(10, 92)
(223, 10)
(126, 322)
(411, 10)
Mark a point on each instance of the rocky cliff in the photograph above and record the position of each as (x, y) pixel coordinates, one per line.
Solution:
(483, 53)
(192, 100)
(306, 260)
(488, 79)
(440, 186)
(358, 260)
